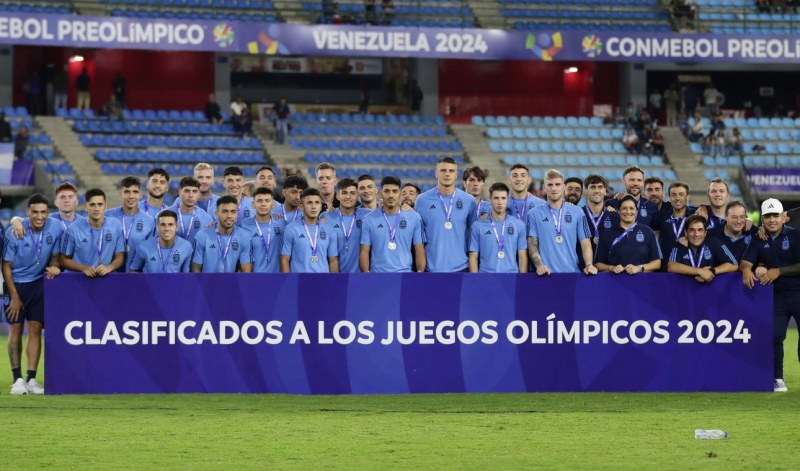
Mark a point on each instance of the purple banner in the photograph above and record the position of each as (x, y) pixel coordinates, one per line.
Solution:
(23, 173)
(405, 333)
(774, 180)
(353, 41)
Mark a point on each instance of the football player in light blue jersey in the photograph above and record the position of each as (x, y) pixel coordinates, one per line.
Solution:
(293, 188)
(137, 226)
(165, 253)
(310, 245)
(554, 230)
(474, 179)
(191, 219)
(266, 233)
(498, 244)
(521, 202)
(390, 235)
(702, 258)
(226, 248)
(348, 220)
(96, 245)
(203, 173)
(265, 178)
(66, 200)
(26, 263)
(157, 187)
(446, 213)
(368, 192)
(233, 181)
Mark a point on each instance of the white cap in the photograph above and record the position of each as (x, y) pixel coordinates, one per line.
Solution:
(771, 206)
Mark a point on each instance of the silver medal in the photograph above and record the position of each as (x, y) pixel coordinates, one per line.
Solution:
(392, 246)
(559, 239)
(501, 254)
(596, 240)
(314, 259)
(448, 225)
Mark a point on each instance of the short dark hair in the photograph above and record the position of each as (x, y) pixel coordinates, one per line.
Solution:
(365, 176)
(263, 191)
(130, 181)
(295, 181)
(167, 213)
(693, 219)
(651, 180)
(627, 198)
(594, 179)
(734, 204)
(477, 172)
(94, 192)
(632, 168)
(158, 171)
(227, 199)
(310, 192)
(419, 190)
(447, 160)
(37, 199)
(266, 167)
(519, 166)
(718, 180)
(233, 170)
(189, 181)
(499, 186)
(347, 183)
(683, 185)
(391, 180)
(574, 180)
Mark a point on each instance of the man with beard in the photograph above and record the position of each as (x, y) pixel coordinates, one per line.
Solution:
(474, 179)
(137, 226)
(348, 220)
(409, 196)
(368, 192)
(326, 184)
(233, 181)
(654, 192)
(157, 186)
(225, 248)
(520, 202)
(596, 215)
(266, 178)
(735, 234)
(702, 258)
(166, 253)
(190, 219)
(573, 190)
(633, 180)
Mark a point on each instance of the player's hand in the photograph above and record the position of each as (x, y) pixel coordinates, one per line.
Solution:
(699, 279)
(17, 227)
(542, 270)
(13, 309)
(761, 271)
(611, 209)
(484, 217)
(701, 210)
(705, 274)
(89, 271)
(619, 195)
(102, 270)
(683, 242)
(748, 224)
(762, 233)
(771, 275)
(632, 269)
(407, 207)
(52, 272)
(748, 278)
(618, 269)
(590, 270)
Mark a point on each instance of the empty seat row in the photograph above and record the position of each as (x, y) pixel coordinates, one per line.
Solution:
(230, 4)
(562, 121)
(188, 15)
(595, 3)
(722, 161)
(38, 139)
(401, 173)
(743, 123)
(382, 131)
(335, 118)
(772, 161)
(557, 147)
(586, 14)
(151, 127)
(386, 159)
(378, 144)
(39, 153)
(610, 174)
(18, 112)
(611, 25)
(17, 123)
(138, 155)
(62, 168)
(554, 133)
(207, 142)
(769, 147)
(139, 115)
(36, 9)
(584, 160)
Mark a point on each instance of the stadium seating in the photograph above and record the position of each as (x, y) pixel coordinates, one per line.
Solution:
(743, 17)
(431, 13)
(602, 15)
(60, 7)
(261, 11)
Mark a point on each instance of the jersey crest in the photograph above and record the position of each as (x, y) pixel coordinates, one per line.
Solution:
(358, 223)
(568, 218)
(403, 223)
(748, 239)
(323, 235)
(639, 237)
(459, 204)
(108, 236)
(785, 244)
(510, 230)
(49, 239)
(607, 223)
(176, 257)
(643, 212)
(707, 254)
(235, 245)
(197, 224)
(277, 229)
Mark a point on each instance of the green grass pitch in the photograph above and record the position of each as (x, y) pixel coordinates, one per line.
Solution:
(450, 431)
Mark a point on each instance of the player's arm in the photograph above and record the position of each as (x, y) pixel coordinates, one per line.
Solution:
(363, 258)
(15, 305)
(285, 259)
(197, 267)
(533, 251)
(333, 264)
(68, 264)
(791, 270)
(420, 258)
(522, 260)
(603, 267)
(588, 257)
(17, 228)
(53, 267)
(473, 262)
(247, 267)
(116, 263)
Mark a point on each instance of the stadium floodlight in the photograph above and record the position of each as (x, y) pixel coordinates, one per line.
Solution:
(571, 70)
(76, 59)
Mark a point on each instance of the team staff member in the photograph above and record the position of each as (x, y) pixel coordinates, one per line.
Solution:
(203, 173)
(498, 244)
(390, 235)
(446, 213)
(599, 219)
(573, 190)
(191, 219)
(293, 188)
(633, 179)
(670, 226)
(714, 212)
(521, 203)
(474, 180)
(368, 192)
(233, 181)
(703, 258)
(157, 186)
(348, 220)
(654, 192)
(554, 229)
(628, 247)
(735, 234)
(66, 200)
(94, 246)
(410, 194)
(266, 233)
(26, 263)
(137, 225)
(221, 249)
(326, 184)
(781, 256)
(166, 253)
(310, 245)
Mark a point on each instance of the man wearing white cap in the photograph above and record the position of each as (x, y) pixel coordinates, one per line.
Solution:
(780, 254)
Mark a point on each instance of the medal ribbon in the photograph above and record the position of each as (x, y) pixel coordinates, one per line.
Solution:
(99, 243)
(265, 243)
(316, 235)
(557, 219)
(618, 239)
(678, 230)
(520, 215)
(37, 244)
(447, 210)
(126, 231)
(595, 220)
(191, 223)
(296, 212)
(392, 227)
(224, 254)
(696, 263)
(169, 257)
(347, 232)
(501, 238)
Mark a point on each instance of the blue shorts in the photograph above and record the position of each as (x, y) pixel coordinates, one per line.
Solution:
(32, 296)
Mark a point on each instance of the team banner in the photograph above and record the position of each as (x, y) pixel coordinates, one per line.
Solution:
(319, 40)
(405, 333)
(774, 180)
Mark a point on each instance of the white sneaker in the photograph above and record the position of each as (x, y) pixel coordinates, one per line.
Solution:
(34, 387)
(780, 385)
(19, 387)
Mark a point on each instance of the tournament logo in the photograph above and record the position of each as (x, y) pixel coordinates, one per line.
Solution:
(510, 230)
(270, 42)
(785, 244)
(403, 223)
(139, 226)
(223, 35)
(568, 218)
(49, 239)
(235, 245)
(459, 204)
(591, 46)
(639, 237)
(108, 236)
(544, 46)
(323, 235)
(176, 257)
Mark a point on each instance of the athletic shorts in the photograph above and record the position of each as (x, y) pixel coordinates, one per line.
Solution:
(32, 296)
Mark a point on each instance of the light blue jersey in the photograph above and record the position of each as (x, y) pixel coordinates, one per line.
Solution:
(204, 205)
(484, 207)
(349, 228)
(265, 243)
(486, 238)
(559, 257)
(30, 255)
(135, 230)
(245, 209)
(288, 216)
(65, 224)
(87, 246)
(152, 258)
(151, 211)
(221, 253)
(190, 224)
(298, 240)
(520, 208)
(446, 249)
(377, 234)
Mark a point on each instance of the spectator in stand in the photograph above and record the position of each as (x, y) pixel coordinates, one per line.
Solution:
(416, 96)
(240, 117)
(388, 12)
(83, 82)
(213, 112)
(280, 118)
(5, 129)
(120, 87)
(33, 92)
(369, 12)
(655, 104)
(735, 142)
(646, 140)
(710, 98)
(672, 98)
(60, 89)
(363, 107)
(717, 119)
(631, 142)
(21, 142)
(112, 109)
(763, 6)
(690, 97)
(658, 142)
(698, 130)
(619, 117)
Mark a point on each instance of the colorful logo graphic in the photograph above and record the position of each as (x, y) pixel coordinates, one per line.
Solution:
(592, 46)
(223, 35)
(271, 46)
(544, 46)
